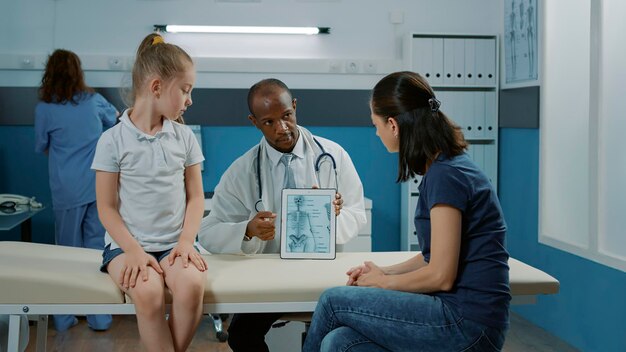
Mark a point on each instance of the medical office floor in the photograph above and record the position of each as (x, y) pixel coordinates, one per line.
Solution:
(123, 336)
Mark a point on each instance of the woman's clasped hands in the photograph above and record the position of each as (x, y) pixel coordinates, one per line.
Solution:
(368, 275)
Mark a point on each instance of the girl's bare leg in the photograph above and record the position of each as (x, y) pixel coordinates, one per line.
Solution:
(187, 287)
(149, 300)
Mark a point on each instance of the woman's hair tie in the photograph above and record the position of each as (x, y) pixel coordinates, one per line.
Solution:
(434, 104)
(157, 40)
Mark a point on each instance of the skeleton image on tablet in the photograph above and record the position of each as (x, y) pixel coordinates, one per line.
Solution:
(308, 224)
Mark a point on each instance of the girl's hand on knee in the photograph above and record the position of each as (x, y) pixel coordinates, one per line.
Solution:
(187, 253)
(136, 264)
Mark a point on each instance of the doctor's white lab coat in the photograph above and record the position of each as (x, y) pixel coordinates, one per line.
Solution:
(235, 196)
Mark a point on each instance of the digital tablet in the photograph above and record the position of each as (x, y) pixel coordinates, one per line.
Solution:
(307, 224)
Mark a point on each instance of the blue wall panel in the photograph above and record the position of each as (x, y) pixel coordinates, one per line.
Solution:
(378, 170)
(589, 311)
(376, 167)
(25, 172)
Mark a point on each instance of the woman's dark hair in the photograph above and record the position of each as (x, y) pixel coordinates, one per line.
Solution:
(425, 131)
(63, 78)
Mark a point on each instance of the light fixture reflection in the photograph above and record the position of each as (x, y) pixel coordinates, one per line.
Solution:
(241, 29)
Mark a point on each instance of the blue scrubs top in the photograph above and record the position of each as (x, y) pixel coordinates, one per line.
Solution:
(70, 133)
(481, 291)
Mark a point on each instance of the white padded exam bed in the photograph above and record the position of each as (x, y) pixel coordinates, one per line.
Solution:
(39, 280)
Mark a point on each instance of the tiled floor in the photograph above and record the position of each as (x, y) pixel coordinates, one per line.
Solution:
(527, 337)
(522, 337)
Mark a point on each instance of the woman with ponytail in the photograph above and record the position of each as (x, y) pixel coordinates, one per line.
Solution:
(454, 295)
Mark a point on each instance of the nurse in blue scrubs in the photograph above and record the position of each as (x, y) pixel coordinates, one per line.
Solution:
(68, 123)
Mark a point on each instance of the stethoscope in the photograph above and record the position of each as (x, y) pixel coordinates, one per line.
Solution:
(322, 158)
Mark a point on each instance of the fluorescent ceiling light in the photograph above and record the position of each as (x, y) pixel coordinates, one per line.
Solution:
(241, 29)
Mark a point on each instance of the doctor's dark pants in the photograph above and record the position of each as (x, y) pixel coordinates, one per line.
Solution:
(80, 227)
(246, 332)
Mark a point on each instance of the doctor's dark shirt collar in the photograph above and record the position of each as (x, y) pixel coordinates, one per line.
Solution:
(275, 155)
(167, 127)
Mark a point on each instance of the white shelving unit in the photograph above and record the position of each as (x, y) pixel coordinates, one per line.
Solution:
(463, 71)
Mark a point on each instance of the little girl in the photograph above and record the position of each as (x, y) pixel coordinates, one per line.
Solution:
(150, 198)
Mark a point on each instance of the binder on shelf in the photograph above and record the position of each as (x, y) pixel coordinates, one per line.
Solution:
(490, 61)
(459, 62)
(437, 61)
(421, 55)
(480, 64)
(466, 102)
(479, 155)
(448, 61)
(460, 110)
(470, 62)
(451, 100)
(479, 114)
(443, 98)
(491, 116)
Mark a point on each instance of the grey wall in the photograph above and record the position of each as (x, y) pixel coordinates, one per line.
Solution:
(519, 108)
(218, 107)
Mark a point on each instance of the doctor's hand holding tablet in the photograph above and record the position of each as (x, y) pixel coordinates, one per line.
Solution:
(263, 225)
(338, 202)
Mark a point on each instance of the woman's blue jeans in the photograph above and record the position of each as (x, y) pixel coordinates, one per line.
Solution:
(362, 319)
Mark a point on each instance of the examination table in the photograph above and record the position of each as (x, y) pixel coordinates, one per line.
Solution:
(39, 280)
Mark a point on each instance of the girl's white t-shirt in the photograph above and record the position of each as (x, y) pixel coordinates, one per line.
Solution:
(151, 188)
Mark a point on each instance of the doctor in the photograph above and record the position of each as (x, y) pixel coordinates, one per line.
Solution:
(245, 209)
